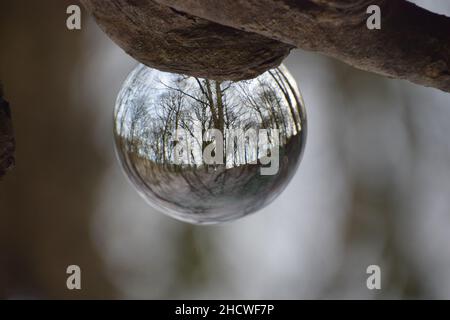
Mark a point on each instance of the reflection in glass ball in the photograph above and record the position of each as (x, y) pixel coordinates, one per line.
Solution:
(206, 151)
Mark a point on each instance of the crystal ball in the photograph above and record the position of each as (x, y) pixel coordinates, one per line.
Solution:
(206, 151)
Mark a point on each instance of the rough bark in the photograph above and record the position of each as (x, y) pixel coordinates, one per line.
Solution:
(170, 40)
(7, 143)
(413, 44)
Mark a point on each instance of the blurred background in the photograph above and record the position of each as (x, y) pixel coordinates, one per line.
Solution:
(373, 186)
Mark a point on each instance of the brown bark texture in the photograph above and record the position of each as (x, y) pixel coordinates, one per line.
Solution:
(170, 40)
(236, 39)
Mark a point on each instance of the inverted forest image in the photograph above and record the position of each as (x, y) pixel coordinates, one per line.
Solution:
(168, 125)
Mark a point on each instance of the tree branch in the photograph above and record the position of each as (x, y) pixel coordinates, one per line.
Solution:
(413, 43)
(236, 39)
(165, 38)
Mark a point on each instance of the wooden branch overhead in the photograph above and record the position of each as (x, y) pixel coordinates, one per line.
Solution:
(162, 37)
(237, 39)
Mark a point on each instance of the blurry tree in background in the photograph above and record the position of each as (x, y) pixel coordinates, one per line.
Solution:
(46, 204)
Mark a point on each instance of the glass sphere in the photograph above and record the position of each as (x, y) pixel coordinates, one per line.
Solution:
(206, 151)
